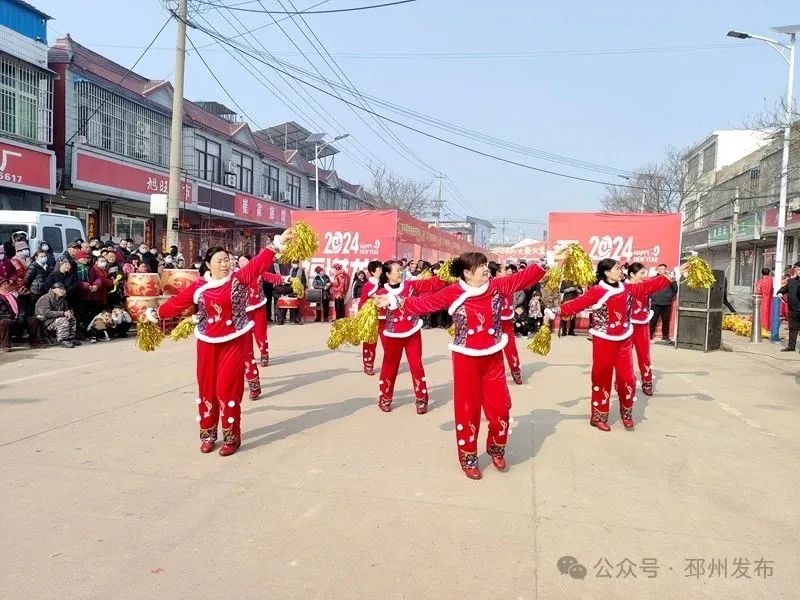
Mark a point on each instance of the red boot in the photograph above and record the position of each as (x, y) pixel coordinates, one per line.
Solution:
(498, 454)
(265, 360)
(208, 439)
(255, 389)
(469, 464)
(626, 414)
(385, 404)
(422, 406)
(599, 420)
(369, 370)
(232, 442)
(647, 388)
(516, 376)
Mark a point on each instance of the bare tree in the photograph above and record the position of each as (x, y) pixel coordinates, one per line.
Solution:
(656, 187)
(390, 190)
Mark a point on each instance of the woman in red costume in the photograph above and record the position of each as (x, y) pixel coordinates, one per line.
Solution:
(612, 349)
(368, 351)
(400, 331)
(765, 289)
(257, 313)
(479, 377)
(640, 317)
(223, 339)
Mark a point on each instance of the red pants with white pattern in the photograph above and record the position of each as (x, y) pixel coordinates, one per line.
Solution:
(368, 352)
(511, 352)
(479, 382)
(220, 379)
(260, 336)
(612, 359)
(641, 343)
(392, 353)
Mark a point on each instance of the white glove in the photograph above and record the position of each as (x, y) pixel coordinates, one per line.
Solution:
(549, 315)
(151, 314)
(195, 319)
(278, 243)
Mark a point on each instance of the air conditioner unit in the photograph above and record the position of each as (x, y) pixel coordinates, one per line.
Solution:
(229, 166)
(143, 129)
(140, 149)
(285, 196)
(230, 180)
(793, 205)
(266, 197)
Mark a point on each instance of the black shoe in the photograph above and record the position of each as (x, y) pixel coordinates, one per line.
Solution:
(787, 349)
(75, 342)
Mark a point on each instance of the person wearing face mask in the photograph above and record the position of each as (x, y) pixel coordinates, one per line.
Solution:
(116, 275)
(103, 281)
(476, 303)
(51, 259)
(36, 277)
(7, 269)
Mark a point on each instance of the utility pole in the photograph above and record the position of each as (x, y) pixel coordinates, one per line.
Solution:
(734, 239)
(176, 133)
(503, 234)
(440, 177)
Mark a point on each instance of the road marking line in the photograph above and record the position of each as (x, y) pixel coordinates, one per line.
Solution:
(45, 374)
(727, 407)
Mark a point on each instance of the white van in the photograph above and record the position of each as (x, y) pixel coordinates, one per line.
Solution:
(56, 230)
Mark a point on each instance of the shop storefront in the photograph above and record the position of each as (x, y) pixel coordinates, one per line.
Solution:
(27, 175)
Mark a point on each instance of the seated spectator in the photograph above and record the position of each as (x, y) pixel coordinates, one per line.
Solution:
(121, 321)
(99, 327)
(10, 316)
(7, 268)
(52, 309)
(36, 277)
(62, 274)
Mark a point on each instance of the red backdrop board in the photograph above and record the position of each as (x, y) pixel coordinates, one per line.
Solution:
(648, 238)
(352, 238)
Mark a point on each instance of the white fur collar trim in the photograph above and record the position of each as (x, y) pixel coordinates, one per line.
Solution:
(610, 291)
(209, 284)
(373, 280)
(469, 292)
(394, 291)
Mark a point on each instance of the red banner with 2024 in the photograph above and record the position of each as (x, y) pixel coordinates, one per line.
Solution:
(648, 238)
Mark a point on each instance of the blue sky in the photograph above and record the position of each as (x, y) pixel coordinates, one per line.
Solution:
(618, 110)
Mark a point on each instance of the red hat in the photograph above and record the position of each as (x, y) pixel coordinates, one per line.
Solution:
(81, 254)
(337, 266)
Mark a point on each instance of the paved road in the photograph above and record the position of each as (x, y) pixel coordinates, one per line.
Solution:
(105, 494)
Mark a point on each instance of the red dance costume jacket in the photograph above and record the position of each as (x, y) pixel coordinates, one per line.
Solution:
(397, 322)
(478, 369)
(612, 328)
(510, 350)
(222, 333)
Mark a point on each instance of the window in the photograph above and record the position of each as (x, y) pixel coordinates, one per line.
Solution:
(208, 159)
(73, 234)
(121, 126)
(293, 189)
(269, 181)
(129, 227)
(744, 267)
(52, 235)
(26, 101)
(243, 167)
(693, 169)
(709, 158)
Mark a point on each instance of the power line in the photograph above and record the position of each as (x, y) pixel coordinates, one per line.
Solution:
(304, 12)
(421, 132)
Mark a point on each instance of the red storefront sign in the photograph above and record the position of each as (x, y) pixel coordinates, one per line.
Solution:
(28, 168)
(261, 211)
(108, 176)
(648, 238)
(771, 219)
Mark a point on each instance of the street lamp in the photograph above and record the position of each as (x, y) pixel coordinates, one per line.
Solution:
(315, 139)
(626, 178)
(787, 53)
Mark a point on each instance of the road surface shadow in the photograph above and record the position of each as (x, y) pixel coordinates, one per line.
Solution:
(314, 416)
(20, 400)
(297, 381)
(276, 358)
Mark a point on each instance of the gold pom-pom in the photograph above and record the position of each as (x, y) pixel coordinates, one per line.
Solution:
(578, 267)
(148, 336)
(297, 287)
(451, 331)
(302, 246)
(446, 272)
(182, 330)
(554, 277)
(541, 341)
(699, 274)
(339, 332)
(426, 274)
(364, 327)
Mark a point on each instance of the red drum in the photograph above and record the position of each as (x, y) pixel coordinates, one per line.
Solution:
(175, 280)
(137, 305)
(287, 302)
(143, 284)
